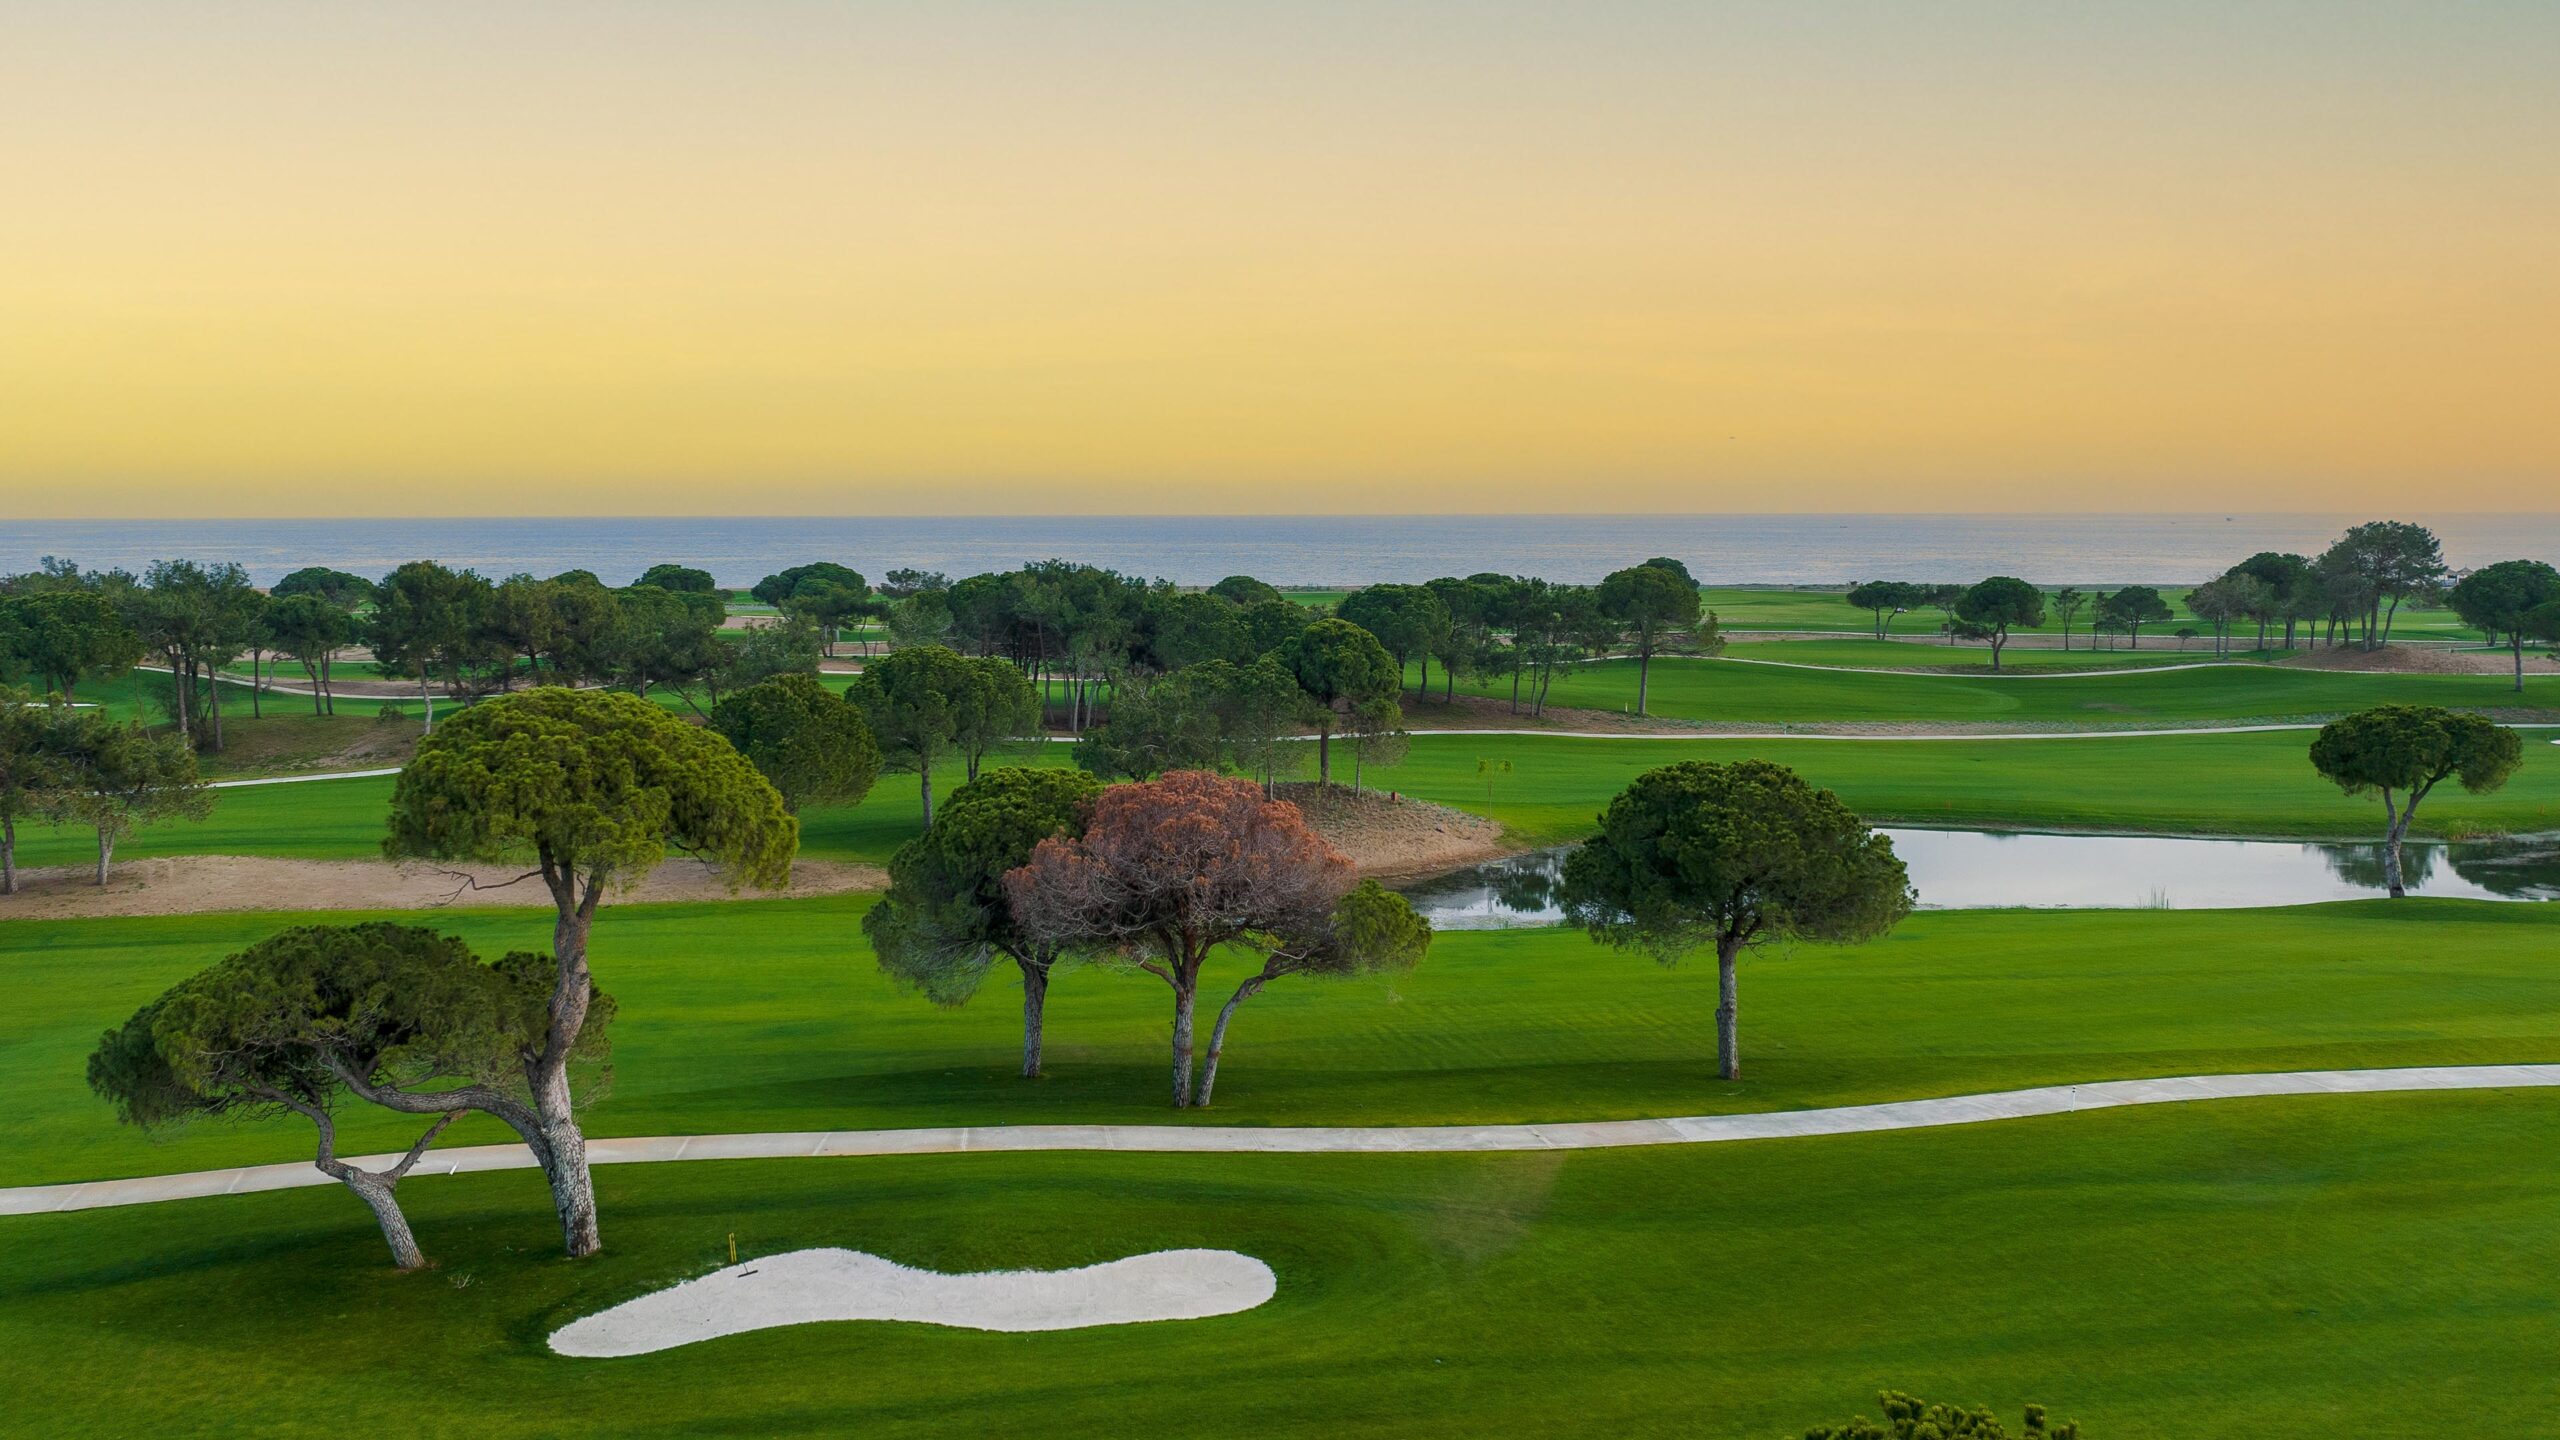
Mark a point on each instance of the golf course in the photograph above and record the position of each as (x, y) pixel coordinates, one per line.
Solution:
(2209, 1265)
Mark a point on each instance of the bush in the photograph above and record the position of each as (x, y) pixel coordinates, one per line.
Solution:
(1909, 1419)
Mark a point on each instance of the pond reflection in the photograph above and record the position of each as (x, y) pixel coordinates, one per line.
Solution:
(1975, 869)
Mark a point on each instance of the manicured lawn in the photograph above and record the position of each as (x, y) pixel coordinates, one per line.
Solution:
(1913, 655)
(1733, 693)
(773, 1016)
(2248, 784)
(1758, 607)
(2300, 1269)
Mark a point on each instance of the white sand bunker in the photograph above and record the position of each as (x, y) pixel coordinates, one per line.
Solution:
(801, 1287)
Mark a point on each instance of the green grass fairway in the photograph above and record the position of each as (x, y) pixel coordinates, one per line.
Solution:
(2247, 784)
(1773, 607)
(773, 1016)
(2301, 1269)
(1728, 692)
(1866, 654)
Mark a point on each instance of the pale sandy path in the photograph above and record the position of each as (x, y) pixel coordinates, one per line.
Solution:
(1316, 1140)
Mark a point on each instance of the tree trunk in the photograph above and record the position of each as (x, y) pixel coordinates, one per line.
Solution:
(311, 672)
(106, 851)
(8, 855)
(1218, 1035)
(1644, 678)
(1183, 996)
(1728, 1010)
(213, 703)
(378, 1197)
(1324, 752)
(1035, 999)
(427, 698)
(1422, 692)
(1998, 639)
(2515, 641)
(2391, 844)
(924, 779)
(573, 1191)
(1448, 685)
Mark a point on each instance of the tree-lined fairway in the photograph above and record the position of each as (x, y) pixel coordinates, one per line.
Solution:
(2230, 1268)
(2239, 784)
(772, 1015)
(1972, 658)
(1730, 692)
(1756, 607)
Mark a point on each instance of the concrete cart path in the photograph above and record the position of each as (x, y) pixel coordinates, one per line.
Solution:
(1307, 1140)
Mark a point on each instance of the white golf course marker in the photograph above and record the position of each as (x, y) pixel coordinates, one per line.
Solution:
(802, 1287)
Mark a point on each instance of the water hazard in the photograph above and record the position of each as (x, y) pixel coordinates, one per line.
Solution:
(1974, 869)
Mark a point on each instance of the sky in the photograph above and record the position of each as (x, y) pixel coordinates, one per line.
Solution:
(1113, 257)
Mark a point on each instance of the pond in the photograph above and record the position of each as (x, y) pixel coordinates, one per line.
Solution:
(1976, 869)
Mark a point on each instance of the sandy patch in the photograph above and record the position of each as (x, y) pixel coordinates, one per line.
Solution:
(1389, 835)
(2422, 660)
(193, 884)
(803, 1287)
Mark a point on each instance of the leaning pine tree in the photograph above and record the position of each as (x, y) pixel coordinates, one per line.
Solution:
(1700, 856)
(297, 1022)
(587, 790)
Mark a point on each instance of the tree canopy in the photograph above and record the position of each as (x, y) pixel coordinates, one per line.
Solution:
(297, 1021)
(1169, 870)
(1999, 604)
(683, 578)
(2131, 608)
(1341, 668)
(1725, 857)
(2497, 599)
(930, 700)
(59, 638)
(1649, 603)
(590, 789)
(778, 587)
(1408, 621)
(814, 748)
(337, 587)
(2402, 752)
(116, 778)
(946, 918)
(1245, 590)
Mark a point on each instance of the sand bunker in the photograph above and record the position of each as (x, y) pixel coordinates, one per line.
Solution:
(802, 1287)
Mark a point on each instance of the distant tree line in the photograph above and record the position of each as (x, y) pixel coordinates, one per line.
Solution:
(2349, 594)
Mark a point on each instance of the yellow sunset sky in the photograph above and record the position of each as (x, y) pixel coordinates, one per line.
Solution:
(658, 258)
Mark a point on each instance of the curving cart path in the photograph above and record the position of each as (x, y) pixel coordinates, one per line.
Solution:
(1309, 1140)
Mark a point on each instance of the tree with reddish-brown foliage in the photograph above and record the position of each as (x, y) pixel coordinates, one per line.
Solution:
(1168, 870)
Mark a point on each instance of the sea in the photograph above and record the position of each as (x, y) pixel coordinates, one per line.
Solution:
(1296, 550)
